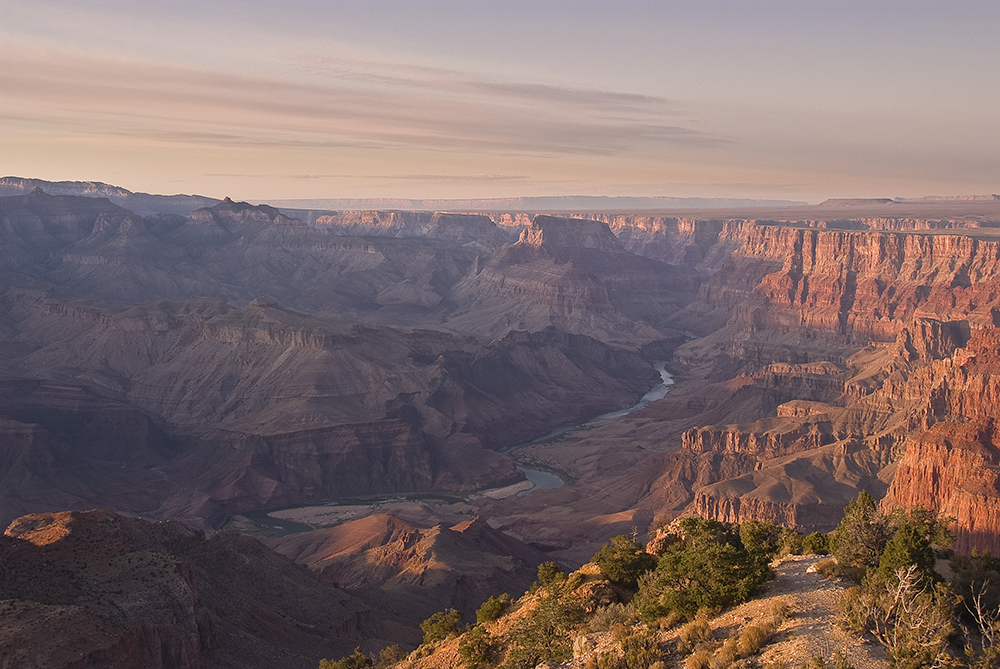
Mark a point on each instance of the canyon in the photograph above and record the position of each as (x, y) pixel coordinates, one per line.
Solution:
(194, 370)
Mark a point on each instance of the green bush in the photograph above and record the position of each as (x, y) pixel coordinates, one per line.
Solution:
(908, 546)
(442, 625)
(545, 634)
(548, 573)
(861, 536)
(476, 648)
(492, 609)
(706, 569)
(761, 537)
(790, 542)
(932, 527)
(622, 560)
(639, 651)
(816, 544)
(390, 655)
(356, 660)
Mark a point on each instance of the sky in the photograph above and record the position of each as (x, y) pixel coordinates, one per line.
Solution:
(800, 100)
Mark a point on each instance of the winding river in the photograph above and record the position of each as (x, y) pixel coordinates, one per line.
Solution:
(548, 481)
(542, 480)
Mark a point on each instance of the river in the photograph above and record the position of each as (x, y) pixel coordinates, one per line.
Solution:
(548, 481)
(542, 480)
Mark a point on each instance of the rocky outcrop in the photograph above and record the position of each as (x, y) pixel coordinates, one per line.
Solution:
(141, 203)
(474, 229)
(41, 222)
(860, 285)
(229, 220)
(411, 572)
(807, 491)
(951, 381)
(129, 593)
(576, 275)
(767, 439)
(567, 236)
(673, 240)
(954, 470)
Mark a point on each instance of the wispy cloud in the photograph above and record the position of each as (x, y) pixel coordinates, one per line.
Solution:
(347, 104)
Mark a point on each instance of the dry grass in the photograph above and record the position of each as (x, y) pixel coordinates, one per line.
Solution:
(754, 637)
(778, 610)
(700, 659)
(694, 635)
(607, 617)
(726, 655)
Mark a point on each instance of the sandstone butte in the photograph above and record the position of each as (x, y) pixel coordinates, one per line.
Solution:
(202, 365)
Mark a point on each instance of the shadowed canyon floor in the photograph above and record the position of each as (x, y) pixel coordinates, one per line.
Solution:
(234, 359)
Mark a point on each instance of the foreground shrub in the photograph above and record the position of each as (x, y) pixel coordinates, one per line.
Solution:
(726, 655)
(761, 537)
(701, 659)
(476, 648)
(777, 610)
(833, 569)
(607, 617)
(769, 539)
(861, 536)
(977, 582)
(911, 618)
(546, 634)
(709, 567)
(816, 544)
(696, 634)
(549, 573)
(622, 561)
(356, 660)
(908, 547)
(754, 637)
(492, 609)
(639, 651)
(442, 625)
(390, 655)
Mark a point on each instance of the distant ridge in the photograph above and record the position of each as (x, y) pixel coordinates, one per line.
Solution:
(534, 204)
(855, 201)
(144, 204)
(950, 198)
(928, 199)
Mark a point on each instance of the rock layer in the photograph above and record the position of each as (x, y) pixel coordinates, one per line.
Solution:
(126, 592)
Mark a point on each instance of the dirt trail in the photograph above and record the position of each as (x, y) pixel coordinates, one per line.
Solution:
(810, 630)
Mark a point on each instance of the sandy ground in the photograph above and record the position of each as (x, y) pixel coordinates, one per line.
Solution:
(810, 630)
(325, 516)
(330, 515)
(504, 492)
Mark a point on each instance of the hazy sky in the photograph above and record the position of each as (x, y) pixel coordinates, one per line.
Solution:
(794, 99)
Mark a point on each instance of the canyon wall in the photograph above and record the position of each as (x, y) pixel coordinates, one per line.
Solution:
(903, 323)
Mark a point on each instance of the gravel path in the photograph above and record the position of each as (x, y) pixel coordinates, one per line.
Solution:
(810, 630)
